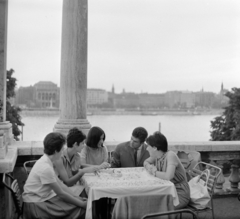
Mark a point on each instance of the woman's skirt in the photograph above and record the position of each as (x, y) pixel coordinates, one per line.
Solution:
(183, 192)
(52, 208)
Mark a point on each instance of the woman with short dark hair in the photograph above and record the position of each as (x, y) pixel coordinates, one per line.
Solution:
(165, 164)
(43, 190)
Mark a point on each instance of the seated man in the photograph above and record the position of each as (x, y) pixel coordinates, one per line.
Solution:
(131, 153)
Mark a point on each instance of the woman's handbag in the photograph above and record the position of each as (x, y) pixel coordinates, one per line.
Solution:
(199, 195)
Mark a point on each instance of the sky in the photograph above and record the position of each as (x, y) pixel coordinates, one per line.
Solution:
(149, 46)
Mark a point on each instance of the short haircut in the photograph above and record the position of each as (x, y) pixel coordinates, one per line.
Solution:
(94, 136)
(53, 142)
(75, 135)
(159, 141)
(140, 133)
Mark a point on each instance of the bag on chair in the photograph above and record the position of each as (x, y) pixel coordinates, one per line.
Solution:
(199, 195)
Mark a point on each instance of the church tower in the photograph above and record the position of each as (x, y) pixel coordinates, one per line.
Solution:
(113, 90)
(221, 88)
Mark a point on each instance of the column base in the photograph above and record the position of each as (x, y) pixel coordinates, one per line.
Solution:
(3, 151)
(63, 125)
(6, 138)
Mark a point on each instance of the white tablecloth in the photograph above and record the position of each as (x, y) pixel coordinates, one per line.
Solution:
(130, 181)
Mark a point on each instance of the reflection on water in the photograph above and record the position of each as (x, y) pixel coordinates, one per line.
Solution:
(119, 127)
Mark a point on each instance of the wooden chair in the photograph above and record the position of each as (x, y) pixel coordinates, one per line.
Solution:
(12, 185)
(180, 214)
(214, 173)
(28, 165)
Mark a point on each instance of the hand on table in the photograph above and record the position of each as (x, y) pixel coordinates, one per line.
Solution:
(151, 169)
(104, 165)
(91, 169)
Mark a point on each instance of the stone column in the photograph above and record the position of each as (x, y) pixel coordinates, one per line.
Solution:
(5, 126)
(73, 84)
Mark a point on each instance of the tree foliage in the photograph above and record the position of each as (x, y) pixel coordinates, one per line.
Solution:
(227, 126)
(12, 112)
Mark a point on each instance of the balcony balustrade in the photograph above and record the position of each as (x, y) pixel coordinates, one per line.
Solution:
(224, 154)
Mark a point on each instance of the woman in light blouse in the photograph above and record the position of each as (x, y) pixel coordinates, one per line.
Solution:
(165, 164)
(43, 190)
(94, 152)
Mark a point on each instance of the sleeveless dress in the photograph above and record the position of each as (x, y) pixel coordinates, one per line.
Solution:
(179, 179)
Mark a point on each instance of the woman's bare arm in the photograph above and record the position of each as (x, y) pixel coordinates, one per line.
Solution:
(56, 187)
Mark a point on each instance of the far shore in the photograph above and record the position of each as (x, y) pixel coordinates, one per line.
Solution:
(52, 112)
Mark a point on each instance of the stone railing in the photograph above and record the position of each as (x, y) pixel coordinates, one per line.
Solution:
(224, 154)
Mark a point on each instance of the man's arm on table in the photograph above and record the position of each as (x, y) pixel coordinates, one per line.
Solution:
(115, 160)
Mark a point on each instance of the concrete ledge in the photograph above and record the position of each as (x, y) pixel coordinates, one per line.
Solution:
(8, 163)
(36, 147)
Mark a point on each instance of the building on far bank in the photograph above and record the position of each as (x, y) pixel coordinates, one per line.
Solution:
(173, 99)
(204, 99)
(96, 96)
(155, 101)
(187, 99)
(46, 94)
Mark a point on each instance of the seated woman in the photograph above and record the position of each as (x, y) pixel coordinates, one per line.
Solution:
(68, 167)
(94, 152)
(43, 190)
(165, 164)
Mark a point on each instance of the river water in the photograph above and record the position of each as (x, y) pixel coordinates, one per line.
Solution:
(177, 128)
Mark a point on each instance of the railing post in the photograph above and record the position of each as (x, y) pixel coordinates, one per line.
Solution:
(234, 178)
(219, 182)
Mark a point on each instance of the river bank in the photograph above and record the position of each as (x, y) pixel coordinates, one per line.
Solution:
(51, 112)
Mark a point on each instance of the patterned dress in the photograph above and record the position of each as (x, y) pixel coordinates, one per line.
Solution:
(72, 166)
(179, 179)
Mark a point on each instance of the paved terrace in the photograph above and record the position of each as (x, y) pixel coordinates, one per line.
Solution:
(223, 154)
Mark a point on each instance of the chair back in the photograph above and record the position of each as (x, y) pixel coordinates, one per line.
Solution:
(12, 185)
(189, 159)
(214, 173)
(180, 214)
(28, 165)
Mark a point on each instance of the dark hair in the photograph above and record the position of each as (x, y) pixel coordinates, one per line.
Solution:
(159, 141)
(94, 136)
(140, 133)
(75, 135)
(53, 142)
